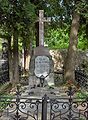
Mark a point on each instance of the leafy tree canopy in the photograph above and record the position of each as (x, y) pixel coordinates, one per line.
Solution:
(16, 14)
(20, 15)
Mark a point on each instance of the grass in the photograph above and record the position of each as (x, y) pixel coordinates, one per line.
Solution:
(5, 96)
(4, 101)
(5, 88)
(82, 94)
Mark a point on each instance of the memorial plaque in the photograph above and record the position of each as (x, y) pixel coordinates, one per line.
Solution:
(42, 66)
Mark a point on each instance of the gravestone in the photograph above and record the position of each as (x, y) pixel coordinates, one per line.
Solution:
(4, 64)
(41, 63)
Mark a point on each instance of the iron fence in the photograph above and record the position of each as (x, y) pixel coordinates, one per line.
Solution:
(69, 108)
(81, 78)
(45, 108)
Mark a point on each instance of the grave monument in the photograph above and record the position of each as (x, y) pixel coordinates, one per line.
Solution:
(4, 64)
(41, 64)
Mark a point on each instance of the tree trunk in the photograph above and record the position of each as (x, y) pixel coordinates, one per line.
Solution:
(69, 68)
(37, 33)
(10, 60)
(25, 55)
(36, 3)
(15, 58)
(26, 59)
(28, 54)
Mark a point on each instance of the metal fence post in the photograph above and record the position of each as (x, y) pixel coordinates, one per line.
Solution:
(44, 107)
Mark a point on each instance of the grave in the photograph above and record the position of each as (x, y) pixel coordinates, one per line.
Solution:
(4, 65)
(41, 63)
(41, 68)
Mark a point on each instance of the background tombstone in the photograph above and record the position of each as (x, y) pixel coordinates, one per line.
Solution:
(4, 64)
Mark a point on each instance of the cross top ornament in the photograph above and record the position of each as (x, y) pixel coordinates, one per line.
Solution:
(41, 20)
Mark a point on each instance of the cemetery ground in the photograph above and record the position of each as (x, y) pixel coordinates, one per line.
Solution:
(31, 103)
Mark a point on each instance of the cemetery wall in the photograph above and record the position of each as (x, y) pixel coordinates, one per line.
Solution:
(59, 56)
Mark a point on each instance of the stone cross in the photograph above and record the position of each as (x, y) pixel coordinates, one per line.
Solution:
(41, 20)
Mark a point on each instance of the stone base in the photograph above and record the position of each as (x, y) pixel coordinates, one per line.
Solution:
(35, 82)
(41, 91)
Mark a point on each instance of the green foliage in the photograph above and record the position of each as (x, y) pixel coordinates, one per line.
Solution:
(82, 8)
(16, 15)
(81, 119)
(57, 38)
(5, 96)
(82, 38)
(83, 43)
(0, 44)
(20, 14)
(4, 101)
(82, 95)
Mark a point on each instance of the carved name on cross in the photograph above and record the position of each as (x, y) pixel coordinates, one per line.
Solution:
(42, 19)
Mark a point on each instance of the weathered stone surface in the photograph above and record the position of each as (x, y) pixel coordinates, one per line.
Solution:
(41, 50)
(41, 20)
(59, 56)
(42, 66)
(45, 67)
(4, 65)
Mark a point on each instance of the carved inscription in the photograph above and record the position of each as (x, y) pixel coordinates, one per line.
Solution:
(41, 66)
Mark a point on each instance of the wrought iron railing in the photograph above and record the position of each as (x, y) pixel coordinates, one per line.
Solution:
(81, 78)
(69, 108)
(19, 108)
(45, 108)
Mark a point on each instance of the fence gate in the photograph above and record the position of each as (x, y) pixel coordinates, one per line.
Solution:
(18, 108)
